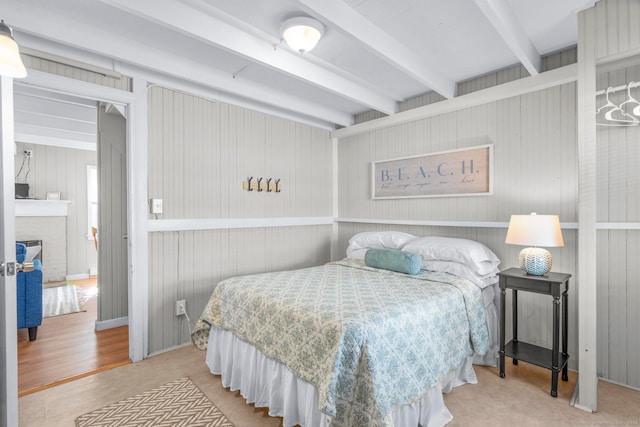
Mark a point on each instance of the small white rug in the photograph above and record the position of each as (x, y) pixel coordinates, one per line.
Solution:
(60, 300)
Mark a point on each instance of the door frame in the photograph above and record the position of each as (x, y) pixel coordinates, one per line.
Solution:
(135, 103)
(9, 322)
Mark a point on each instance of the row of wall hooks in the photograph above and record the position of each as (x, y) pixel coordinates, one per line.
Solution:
(267, 185)
(626, 113)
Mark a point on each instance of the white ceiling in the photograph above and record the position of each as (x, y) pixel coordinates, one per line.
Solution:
(45, 117)
(374, 53)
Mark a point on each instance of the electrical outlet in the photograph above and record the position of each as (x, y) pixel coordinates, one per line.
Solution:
(181, 307)
(28, 153)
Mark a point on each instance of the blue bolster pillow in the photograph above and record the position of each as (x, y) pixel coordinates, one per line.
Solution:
(394, 260)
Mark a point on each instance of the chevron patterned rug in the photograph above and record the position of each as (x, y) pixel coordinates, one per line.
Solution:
(178, 403)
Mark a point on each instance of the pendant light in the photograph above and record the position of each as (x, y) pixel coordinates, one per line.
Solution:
(10, 63)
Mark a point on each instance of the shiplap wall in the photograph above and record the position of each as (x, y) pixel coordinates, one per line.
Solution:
(617, 31)
(618, 198)
(200, 151)
(54, 169)
(49, 66)
(64, 169)
(515, 72)
(535, 170)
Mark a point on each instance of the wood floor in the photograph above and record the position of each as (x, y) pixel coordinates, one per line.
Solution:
(68, 347)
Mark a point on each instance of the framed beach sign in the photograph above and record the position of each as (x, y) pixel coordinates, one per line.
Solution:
(463, 172)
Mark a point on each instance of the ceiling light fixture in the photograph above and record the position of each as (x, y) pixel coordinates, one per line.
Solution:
(301, 33)
(10, 63)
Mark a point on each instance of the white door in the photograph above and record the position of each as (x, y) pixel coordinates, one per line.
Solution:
(8, 315)
(112, 217)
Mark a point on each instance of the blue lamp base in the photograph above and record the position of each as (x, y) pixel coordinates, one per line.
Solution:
(535, 261)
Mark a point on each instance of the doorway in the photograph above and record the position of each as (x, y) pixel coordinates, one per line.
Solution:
(135, 103)
(99, 331)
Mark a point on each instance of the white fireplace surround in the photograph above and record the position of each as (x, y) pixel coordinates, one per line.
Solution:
(45, 220)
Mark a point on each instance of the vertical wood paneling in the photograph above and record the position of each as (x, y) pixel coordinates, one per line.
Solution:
(200, 151)
(616, 29)
(188, 265)
(47, 66)
(64, 170)
(535, 169)
(617, 201)
(524, 130)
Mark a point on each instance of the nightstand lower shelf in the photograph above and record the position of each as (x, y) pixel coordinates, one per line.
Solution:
(557, 286)
(535, 355)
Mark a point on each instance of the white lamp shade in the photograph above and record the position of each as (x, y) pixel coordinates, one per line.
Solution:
(10, 63)
(302, 34)
(535, 230)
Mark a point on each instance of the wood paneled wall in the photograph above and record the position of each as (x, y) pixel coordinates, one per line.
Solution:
(200, 151)
(534, 160)
(618, 202)
(617, 31)
(64, 170)
(535, 170)
(49, 66)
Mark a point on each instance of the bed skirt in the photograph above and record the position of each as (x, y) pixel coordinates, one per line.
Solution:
(265, 382)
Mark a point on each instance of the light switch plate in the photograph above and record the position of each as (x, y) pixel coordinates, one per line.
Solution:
(156, 206)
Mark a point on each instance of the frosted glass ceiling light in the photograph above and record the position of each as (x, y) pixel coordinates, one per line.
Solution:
(301, 33)
(10, 63)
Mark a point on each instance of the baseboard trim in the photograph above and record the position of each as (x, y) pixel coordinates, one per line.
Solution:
(165, 350)
(101, 325)
(77, 276)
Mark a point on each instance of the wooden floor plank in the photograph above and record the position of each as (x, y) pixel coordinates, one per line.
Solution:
(68, 347)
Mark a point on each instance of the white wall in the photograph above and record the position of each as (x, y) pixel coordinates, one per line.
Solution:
(534, 169)
(52, 231)
(200, 151)
(618, 202)
(64, 170)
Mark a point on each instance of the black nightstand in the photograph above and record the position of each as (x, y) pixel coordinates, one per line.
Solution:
(554, 284)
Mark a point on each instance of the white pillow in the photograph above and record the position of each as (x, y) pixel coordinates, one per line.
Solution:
(476, 256)
(377, 240)
(356, 253)
(32, 252)
(463, 271)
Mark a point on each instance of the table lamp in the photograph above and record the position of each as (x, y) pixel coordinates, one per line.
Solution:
(535, 230)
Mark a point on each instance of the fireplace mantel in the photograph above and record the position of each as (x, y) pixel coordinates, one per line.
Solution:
(31, 207)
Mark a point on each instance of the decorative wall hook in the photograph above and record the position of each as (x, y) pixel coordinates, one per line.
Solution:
(262, 185)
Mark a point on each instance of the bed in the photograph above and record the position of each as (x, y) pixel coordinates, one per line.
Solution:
(352, 342)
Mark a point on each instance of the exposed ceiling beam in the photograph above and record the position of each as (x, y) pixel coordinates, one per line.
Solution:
(203, 91)
(382, 44)
(187, 20)
(147, 57)
(501, 16)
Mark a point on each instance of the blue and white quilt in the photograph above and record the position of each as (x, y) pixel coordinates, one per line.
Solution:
(368, 339)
